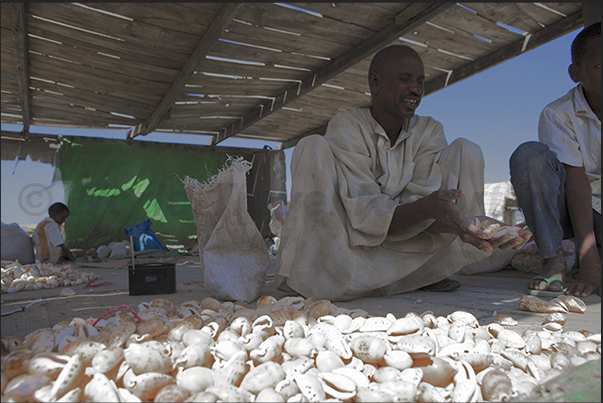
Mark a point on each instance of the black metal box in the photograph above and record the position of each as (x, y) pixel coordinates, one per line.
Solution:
(152, 278)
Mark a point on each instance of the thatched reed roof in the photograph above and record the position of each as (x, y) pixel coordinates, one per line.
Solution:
(251, 70)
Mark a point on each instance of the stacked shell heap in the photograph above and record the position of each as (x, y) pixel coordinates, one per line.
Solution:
(288, 350)
(36, 276)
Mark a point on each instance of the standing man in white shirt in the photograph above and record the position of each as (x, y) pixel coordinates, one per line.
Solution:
(558, 180)
(48, 239)
(380, 204)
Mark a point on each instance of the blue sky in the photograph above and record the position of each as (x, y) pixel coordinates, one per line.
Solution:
(497, 109)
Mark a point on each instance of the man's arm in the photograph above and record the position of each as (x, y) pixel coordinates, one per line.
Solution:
(440, 206)
(449, 219)
(578, 196)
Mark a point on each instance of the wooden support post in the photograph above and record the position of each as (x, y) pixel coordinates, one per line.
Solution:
(21, 61)
(591, 13)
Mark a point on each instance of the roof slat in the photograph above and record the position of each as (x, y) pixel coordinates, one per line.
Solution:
(227, 86)
(182, 18)
(270, 15)
(515, 48)
(268, 57)
(134, 33)
(461, 18)
(103, 61)
(367, 15)
(409, 19)
(89, 98)
(241, 32)
(248, 70)
(124, 50)
(91, 79)
(94, 65)
(209, 40)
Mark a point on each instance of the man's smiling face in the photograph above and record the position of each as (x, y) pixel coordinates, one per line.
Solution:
(398, 87)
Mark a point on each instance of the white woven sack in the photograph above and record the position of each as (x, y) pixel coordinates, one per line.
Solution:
(17, 244)
(231, 248)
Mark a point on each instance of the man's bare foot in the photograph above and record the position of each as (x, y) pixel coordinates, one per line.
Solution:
(585, 285)
(553, 267)
(588, 279)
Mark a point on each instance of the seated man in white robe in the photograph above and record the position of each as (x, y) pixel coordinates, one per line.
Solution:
(382, 204)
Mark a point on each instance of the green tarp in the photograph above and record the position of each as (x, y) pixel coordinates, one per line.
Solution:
(114, 184)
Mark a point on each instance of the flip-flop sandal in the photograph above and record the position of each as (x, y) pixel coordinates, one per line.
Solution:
(446, 285)
(548, 281)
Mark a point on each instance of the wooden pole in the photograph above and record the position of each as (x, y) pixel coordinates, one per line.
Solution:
(591, 13)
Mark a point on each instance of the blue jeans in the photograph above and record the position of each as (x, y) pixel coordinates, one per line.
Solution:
(538, 179)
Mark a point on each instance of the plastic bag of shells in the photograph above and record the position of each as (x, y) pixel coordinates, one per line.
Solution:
(36, 276)
(288, 350)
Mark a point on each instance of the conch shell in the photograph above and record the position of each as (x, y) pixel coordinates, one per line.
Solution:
(120, 335)
(265, 375)
(69, 377)
(496, 386)
(535, 304)
(107, 359)
(101, 389)
(148, 357)
(572, 303)
(338, 386)
(23, 387)
(172, 393)
(146, 385)
(195, 379)
(368, 348)
(47, 364)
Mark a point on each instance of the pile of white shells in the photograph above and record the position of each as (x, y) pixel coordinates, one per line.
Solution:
(288, 350)
(36, 276)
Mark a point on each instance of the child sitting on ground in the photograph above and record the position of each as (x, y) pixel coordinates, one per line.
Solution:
(557, 180)
(48, 240)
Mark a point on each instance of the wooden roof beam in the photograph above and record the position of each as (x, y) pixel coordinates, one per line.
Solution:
(22, 64)
(205, 45)
(529, 42)
(293, 142)
(541, 37)
(24, 137)
(591, 13)
(413, 16)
